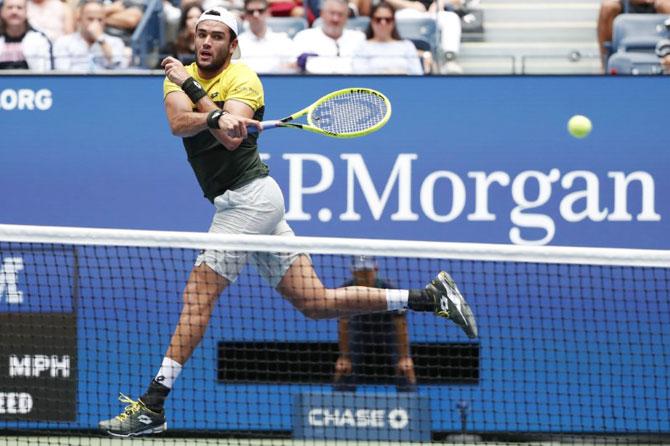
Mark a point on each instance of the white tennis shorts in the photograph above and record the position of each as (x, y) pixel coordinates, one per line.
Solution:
(255, 208)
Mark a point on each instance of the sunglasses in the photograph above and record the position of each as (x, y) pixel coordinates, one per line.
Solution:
(382, 19)
(254, 11)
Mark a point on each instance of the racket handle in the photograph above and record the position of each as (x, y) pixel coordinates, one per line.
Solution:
(265, 124)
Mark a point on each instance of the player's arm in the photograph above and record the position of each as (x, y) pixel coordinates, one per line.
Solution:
(186, 122)
(402, 336)
(343, 332)
(405, 363)
(343, 365)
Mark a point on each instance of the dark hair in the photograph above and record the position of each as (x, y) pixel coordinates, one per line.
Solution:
(183, 42)
(395, 35)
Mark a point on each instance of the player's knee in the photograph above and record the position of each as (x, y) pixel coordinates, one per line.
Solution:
(309, 307)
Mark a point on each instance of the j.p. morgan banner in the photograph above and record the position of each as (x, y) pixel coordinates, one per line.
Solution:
(462, 159)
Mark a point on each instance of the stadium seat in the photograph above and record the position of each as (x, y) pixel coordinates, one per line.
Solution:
(633, 63)
(149, 36)
(638, 32)
(423, 28)
(288, 25)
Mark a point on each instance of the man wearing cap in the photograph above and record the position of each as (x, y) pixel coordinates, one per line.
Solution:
(210, 104)
(369, 336)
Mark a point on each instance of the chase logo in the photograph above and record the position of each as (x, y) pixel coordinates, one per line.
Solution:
(9, 278)
(361, 418)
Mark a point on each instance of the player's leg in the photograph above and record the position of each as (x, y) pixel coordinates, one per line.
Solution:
(146, 415)
(303, 288)
(213, 271)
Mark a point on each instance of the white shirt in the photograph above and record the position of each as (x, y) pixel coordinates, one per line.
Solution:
(334, 55)
(73, 53)
(394, 57)
(35, 49)
(49, 17)
(272, 53)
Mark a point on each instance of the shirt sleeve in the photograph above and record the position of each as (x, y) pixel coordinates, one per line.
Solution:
(61, 57)
(246, 87)
(413, 62)
(169, 87)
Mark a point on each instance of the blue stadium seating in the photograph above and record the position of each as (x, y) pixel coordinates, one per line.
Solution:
(149, 36)
(633, 63)
(423, 28)
(288, 25)
(638, 32)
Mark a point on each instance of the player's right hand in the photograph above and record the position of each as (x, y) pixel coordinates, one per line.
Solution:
(236, 126)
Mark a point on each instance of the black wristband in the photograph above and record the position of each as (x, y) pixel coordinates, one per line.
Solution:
(193, 90)
(213, 119)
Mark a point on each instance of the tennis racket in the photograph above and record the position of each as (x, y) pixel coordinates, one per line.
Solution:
(347, 113)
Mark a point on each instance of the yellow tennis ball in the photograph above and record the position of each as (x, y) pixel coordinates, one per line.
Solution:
(579, 126)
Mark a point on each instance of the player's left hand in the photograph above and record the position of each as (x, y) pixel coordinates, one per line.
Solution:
(174, 70)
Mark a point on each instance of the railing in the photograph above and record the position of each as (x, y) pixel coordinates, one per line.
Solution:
(148, 37)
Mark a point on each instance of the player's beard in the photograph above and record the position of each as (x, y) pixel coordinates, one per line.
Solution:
(217, 61)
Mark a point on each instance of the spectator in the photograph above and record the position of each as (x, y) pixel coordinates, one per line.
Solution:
(122, 17)
(262, 49)
(609, 9)
(448, 23)
(89, 49)
(21, 46)
(378, 334)
(286, 8)
(183, 47)
(354, 8)
(53, 17)
(663, 53)
(384, 52)
(327, 49)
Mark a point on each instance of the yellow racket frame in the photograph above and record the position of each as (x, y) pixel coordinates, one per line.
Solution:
(310, 127)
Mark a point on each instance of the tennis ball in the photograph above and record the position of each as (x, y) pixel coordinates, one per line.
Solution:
(579, 126)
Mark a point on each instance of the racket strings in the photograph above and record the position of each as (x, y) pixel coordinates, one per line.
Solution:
(351, 112)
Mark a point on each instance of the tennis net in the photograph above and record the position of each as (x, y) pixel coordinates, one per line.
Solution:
(574, 343)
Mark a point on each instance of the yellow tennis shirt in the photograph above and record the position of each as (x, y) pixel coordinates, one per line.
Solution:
(216, 168)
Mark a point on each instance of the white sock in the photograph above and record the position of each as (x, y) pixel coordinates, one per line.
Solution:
(168, 372)
(396, 299)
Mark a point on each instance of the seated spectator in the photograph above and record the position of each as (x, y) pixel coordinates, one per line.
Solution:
(609, 9)
(21, 46)
(89, 49)
(53, 17)
(327, 49)
(264, 50)
(183, 48)
(448, 23)
(663, 53)
(122, 17)
(384, 52)
(286, 8)
(354, 7)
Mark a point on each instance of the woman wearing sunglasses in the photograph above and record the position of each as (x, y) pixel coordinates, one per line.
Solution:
(384, 51)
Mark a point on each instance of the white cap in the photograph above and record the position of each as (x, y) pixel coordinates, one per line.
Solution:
(221, 15)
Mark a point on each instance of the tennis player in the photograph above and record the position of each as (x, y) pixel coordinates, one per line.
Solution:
(209, 104)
